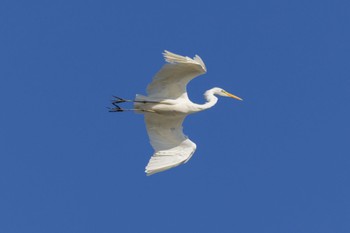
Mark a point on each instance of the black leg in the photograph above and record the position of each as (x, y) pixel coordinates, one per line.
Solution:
(119, 100)
(116, 108)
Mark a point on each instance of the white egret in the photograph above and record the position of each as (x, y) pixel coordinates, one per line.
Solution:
(166, 107)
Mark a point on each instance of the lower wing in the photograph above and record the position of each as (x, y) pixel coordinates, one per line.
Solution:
(171, 146)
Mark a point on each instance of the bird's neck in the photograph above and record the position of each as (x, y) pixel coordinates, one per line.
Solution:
(211, 101)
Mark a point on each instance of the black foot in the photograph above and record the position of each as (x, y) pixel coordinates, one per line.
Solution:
(116, 109)
(118, 100)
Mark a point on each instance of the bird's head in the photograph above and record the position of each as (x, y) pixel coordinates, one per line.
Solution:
(222, 92)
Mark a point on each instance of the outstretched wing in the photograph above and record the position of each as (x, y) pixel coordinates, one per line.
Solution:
(171, 146)
(170, 82)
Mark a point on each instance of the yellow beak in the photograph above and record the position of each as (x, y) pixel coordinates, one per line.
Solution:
(232, 96)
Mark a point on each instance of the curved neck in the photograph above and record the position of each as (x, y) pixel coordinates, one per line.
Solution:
(211, 100)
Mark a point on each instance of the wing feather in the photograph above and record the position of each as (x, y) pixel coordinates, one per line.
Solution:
(171, 146)
(171, 80)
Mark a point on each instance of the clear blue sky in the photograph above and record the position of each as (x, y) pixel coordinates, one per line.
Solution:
(276, 162)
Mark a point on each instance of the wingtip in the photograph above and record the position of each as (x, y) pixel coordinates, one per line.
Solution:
(165, 52)
(199, 60)
(149, 173)
(175, 58)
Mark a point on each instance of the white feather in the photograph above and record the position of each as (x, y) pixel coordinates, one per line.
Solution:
(166, 107)
(171, 146)
(172, 79)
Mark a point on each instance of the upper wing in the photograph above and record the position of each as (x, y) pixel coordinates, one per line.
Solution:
(170, 82)
(171, 146)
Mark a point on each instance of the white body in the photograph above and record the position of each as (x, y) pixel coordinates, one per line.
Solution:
(169, 107)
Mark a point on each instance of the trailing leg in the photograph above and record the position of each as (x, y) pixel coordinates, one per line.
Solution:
(119, 100)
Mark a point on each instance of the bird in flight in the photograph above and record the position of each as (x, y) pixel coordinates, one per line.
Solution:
(166, 107)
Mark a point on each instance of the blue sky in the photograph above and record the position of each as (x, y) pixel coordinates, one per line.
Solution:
(276, 162)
